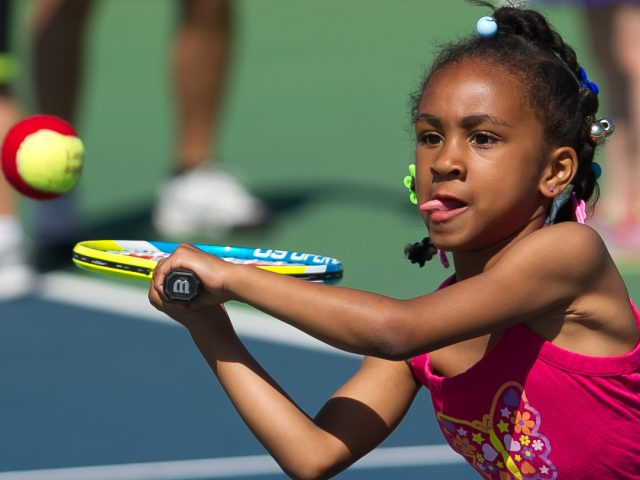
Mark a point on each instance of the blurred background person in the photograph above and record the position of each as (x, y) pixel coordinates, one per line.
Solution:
(614, 28)
(198, 197)
(16, 276)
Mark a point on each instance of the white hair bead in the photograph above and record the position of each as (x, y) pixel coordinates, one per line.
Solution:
(487, 27)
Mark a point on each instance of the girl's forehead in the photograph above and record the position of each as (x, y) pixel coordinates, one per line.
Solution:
(473, 85)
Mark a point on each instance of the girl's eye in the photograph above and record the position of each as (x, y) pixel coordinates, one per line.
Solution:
(483, 139)
(429, 138)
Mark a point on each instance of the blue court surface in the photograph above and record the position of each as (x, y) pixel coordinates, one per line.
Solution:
(98, 385)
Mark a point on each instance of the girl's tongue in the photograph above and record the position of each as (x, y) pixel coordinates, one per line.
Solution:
(441, 205)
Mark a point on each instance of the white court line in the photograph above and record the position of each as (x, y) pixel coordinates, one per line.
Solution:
(245, 466)
(125, 300)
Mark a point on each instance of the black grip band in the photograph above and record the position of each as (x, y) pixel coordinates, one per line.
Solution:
(181, 286)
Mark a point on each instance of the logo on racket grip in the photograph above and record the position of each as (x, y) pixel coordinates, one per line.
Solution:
(181, 286)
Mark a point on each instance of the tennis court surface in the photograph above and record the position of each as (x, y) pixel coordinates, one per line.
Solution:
(98, 385)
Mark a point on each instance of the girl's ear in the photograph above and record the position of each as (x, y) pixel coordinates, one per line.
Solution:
(561, 167)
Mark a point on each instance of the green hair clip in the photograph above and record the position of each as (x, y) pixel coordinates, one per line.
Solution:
(410, 183)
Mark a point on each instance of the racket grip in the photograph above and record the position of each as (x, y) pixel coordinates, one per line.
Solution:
(181, 286)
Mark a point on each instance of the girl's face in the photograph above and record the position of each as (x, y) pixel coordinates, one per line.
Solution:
(479, 158)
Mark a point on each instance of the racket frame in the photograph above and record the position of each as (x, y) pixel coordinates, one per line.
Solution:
(102, 256)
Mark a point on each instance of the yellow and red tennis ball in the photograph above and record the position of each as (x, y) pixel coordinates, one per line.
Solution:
(42, 157)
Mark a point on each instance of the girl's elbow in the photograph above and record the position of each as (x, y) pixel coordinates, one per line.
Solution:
(318, 455)
(392, 351)
(312, 468)
(307, 474)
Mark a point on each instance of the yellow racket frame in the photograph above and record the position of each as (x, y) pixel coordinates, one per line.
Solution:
(102, 250)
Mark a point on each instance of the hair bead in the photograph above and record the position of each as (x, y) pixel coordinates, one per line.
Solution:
(608, 124)
(602, 128)
(487, 27)
(596, 132)
(410, 184)
(586, 83)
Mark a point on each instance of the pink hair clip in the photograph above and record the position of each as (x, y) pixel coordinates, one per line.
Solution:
(579, 208)
(443, 258)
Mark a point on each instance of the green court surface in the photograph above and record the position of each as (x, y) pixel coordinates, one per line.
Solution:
(316, 120)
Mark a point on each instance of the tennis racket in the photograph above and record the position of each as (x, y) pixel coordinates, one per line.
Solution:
(138, 259)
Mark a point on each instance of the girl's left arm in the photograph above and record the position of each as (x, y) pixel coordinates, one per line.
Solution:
(537, 274)
(353, 421)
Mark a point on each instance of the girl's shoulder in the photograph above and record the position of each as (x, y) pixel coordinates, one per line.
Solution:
(566, 258)
(571, 245)
(575, 283)
(569, 234)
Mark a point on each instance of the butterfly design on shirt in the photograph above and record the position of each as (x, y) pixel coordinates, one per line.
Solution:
(506, 444)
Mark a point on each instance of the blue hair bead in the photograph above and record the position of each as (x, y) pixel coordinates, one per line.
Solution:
(597, 169)
(586, 83)
(487, 27)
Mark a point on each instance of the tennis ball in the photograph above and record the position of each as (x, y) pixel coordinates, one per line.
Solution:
(42, 157)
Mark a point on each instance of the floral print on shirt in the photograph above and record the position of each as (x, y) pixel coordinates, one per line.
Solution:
(506, 444)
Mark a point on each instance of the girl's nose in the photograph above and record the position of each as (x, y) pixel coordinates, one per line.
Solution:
(448, 164)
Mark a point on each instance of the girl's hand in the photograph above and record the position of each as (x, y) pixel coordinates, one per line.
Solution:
(209, 319)
(210, 269)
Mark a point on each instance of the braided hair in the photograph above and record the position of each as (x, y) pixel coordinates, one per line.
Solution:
(526, 45)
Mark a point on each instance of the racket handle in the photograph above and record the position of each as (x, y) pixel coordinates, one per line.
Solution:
(181, 286)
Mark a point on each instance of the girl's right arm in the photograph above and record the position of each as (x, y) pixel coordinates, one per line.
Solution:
(353, 421)
(559, 279)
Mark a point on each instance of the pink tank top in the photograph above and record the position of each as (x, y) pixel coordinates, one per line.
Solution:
(531, 410)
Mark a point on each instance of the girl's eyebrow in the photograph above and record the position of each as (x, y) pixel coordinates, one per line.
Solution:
(466, 122)
(429, 118)
(474, 120)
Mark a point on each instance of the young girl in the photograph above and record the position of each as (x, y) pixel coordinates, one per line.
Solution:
(530, 350)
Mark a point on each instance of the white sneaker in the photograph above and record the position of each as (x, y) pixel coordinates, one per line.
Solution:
(205, 200)
(17, 278)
